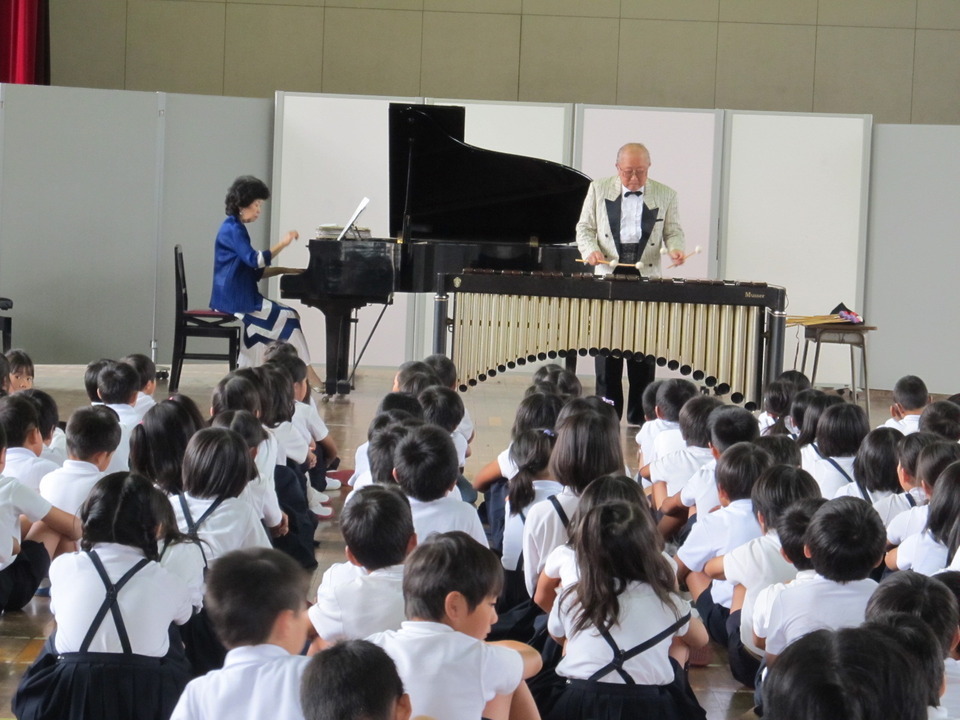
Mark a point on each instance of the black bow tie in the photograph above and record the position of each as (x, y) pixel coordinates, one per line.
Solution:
(628, 193)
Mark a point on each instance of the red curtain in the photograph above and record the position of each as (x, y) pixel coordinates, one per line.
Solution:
(25, 42)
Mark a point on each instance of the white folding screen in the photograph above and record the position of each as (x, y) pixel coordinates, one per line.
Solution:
(685, 150)
(795, 199)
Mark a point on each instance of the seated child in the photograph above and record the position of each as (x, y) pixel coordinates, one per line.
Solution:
(798, 409)
(840, 430)
(942, 418)
(147, 370)
(117, 386)
(425, 465)
(719, 532)
(782, 448)
(392, 401)
(777, 397)
(845, 541)
(672, 395)
(385, 433)
(910, 397)
(413, 377)
(92, 436)
(365, 595)
(910, 492)
(951, 698)
(933, 460)
(450, 587)
(330, 691)
(21, 370)
(256, 599)
(48, 418)
(4, 376)
(875, 467)
(444, 408)
(652, 425)
(90, 375)
(21, 426)
(759, 563)
(933, 548)
(447, 373)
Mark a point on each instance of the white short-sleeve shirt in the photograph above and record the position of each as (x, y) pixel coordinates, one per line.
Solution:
(853, 490)
(67, 487)
(353, 603)
(889, 507)
(233, 525)
(309, 423)
(508, 468)
(922, 553)
(829, 478)
(816, 605)
(291, 443)
(149, 602)
(256, 682)
(361, 463)
(701, 490)
(716, 534)
(669, 441)
(909, 424)
(765, 598)
(27, 467)
(185, 560)
(446, 515)
(513, 528)
(448, 674)
(678, 467)
(16, 500)
(648, 433)
(143, 404)
(907, 523)
(543, 531)
(465, 427)
(129, 419)
(460, 443)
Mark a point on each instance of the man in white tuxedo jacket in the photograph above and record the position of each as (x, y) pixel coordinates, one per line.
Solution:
(627, 219)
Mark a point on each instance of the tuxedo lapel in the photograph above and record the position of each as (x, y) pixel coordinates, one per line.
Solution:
(613, 215)
(647, 221)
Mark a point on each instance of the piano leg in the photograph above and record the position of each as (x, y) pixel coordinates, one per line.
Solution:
(338, 322)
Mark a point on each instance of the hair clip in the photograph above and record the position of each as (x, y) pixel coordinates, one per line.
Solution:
(549, 433)
(608, 401)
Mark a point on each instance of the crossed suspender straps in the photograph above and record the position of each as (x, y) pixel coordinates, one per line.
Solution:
(192, 526)
(621, 656)
(110, 603)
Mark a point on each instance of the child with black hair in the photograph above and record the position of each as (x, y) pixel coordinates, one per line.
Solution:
(158, 443)
(413, 377)
(875, 467)
(759, 563)
(807, 437)
(942, 418)
(92, 436)
(934, 547)
(672, 395)
(446, 371)
(719, 532)
(48, 418)
(931, 462)
(4, 376)
(392, 401)
(256, 599)
(782, 448)
(444, 408)
(112, 654)
(619, 619)
(147, 370)
(425, 465)
(364, 595)
(845, 542)
(363, 472)
(909, 492)
(951, 698)
(21, 370)
(330, 691)
(840, 430)
(777, 398)
(910, 397)
(117, 387)
(21, 426)
(90, 375)
(450, 588)
(798, 409)
(814, 677)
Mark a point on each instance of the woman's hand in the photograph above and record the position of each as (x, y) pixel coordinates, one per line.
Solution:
(284, 241)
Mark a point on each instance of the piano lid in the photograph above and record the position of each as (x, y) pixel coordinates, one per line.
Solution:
(443, 189)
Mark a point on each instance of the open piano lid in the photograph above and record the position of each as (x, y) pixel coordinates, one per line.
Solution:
(443, 189)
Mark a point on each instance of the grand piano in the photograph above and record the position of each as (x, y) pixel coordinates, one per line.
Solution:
(453, 207)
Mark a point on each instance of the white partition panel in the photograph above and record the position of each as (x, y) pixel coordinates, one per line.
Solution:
(330, 151)
(795, 214)
(912, 294)
(684, 149)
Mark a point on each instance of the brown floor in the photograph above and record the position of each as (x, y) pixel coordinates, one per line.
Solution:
(491, 405)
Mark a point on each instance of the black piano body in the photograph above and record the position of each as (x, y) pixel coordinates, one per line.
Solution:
(452, 207)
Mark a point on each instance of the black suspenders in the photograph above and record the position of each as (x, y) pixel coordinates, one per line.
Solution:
(110, 603)
(193, 527)
(621, 656)
(559, 508)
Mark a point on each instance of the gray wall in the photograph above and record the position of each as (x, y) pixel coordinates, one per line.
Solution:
(95, 189)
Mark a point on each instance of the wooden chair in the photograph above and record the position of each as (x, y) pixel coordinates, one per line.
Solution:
(199, 323)
(6, 325)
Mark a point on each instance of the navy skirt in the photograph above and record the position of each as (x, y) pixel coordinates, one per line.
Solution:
(94, 686)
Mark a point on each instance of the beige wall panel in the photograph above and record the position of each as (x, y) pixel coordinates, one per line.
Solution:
(513, 7)
(791, 12)
(272, 48)
(868, 13)
(554, 63)
(309, 3)
(936, 77)
(765, 67)
(938, 14)
(175, 46)
(371, 52)
(469, 55)
(707, 10)
(377, 4)
(583, 8)
(87, 43)
(675, 63)
(864, 70)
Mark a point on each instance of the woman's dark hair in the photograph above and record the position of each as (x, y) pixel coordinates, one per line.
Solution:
(616, 544)
(217, 464)
(538, 410)
(120, 509)
(798, 407)
(236, 392)
(943, 520)
(245, 190)
(841, 429)
(587, 447)
(530, 452)
(158, 444)
(875, 465)
(854, 673)
(811, 416)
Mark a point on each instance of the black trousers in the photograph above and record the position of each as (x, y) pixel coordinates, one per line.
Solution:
(610, 384)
